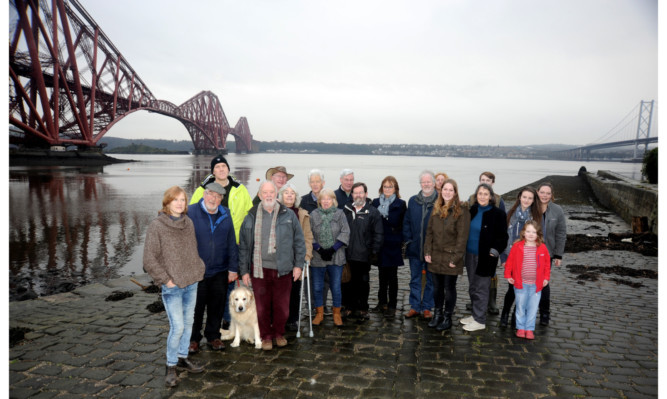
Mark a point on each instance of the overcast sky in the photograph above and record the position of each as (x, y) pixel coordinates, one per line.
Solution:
(441, 72)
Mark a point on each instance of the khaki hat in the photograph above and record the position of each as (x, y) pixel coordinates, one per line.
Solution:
(272, 171)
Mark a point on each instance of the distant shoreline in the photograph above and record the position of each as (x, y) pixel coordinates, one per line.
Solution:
(44, 157)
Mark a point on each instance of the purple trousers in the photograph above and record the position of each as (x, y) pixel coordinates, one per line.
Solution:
(272, 295)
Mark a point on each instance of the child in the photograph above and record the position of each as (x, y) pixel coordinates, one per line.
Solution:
(528, 268)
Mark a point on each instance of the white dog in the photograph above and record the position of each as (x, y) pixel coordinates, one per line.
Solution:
(244, 323)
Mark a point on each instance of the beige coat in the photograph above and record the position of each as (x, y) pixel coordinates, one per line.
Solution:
(446, 242)
(304, 220)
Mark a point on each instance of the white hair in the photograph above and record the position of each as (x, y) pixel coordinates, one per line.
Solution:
(267, 182)
(346, 172)
(315, 172)
(290, 186)
(427, 172)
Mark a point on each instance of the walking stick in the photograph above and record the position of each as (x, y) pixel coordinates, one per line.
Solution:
(305, 280)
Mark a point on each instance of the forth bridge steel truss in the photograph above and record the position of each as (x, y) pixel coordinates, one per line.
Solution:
(68, 84)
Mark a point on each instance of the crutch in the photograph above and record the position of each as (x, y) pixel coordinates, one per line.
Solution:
(305, 281)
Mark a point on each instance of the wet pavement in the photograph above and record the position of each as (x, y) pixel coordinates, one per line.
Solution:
(602, 342)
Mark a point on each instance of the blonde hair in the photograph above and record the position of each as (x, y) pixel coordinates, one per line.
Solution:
(329, 193)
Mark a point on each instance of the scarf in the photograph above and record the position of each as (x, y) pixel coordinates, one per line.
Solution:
(384, 204)
(257, 250)
(517, 221)
(424, 202)
(326, 235)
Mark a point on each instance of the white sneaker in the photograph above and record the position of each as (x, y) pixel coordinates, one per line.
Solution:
(474, 326)
(467, 320)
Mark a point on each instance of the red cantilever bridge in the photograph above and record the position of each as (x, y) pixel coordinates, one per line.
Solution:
(68, 84)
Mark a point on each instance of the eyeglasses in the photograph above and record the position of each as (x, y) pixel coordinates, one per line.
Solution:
(387, 187)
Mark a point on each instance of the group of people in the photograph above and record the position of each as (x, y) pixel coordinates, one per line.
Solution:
(197, 252)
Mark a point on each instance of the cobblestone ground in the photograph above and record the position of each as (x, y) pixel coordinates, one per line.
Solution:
(602, 342)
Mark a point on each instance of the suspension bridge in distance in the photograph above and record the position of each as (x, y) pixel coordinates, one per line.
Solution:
(633, 130)
(69, 84)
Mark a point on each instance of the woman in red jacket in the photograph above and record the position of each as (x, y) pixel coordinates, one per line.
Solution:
(528, 268)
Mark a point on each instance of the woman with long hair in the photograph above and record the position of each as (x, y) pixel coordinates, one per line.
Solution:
(525, 208)
(172, 260)
(392, 208)
(555, 233)
(444, 250)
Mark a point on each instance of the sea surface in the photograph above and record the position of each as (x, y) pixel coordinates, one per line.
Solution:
(71, 226)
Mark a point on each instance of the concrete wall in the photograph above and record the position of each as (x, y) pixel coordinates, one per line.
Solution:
(626, 197)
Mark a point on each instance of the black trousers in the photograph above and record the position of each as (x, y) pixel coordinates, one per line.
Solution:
(545, 301)
(509, 299)
(211, 297)
(388, 290)
(359, 286)
(294, 304)
(444, 291)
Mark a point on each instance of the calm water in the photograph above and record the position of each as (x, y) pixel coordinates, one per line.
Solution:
(77, 225)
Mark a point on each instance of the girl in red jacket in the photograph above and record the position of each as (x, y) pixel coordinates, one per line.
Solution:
(528, 268)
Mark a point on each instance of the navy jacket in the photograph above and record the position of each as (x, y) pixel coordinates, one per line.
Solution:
(216, 241)
(392, 225)
(341, 197)
(414, 228)
(308, 203)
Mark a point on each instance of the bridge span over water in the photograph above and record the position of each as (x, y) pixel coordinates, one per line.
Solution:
(622, 135)
(69, 84)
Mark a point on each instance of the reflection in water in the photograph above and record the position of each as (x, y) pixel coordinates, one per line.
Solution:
(65, 231)
(74, 226)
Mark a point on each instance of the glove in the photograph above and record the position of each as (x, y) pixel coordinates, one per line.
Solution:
(327, 254)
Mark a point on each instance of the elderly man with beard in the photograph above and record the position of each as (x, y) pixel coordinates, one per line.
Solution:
(216, 244)
(415, 223)
(366, 238)
(272, 250)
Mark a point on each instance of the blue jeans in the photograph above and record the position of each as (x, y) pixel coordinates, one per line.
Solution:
(420, 301)
(180, 306)
(527, 301)
(335, 273)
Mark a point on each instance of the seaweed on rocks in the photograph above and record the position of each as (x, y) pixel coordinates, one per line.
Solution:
(156, 307)
(593, 273)
(17, 334)
(119, 295)
(644, 243)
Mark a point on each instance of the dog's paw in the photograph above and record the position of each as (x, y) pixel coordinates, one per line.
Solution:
(235, 343)
(258, 345)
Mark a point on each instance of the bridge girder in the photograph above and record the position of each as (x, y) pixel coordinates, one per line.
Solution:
(69, 84)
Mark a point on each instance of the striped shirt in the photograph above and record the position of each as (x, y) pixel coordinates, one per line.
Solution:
(529, 267)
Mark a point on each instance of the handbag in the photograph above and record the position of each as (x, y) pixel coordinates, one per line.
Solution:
(347, 274)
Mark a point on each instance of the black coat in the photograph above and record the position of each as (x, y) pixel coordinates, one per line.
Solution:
(493, 236)
(391, 253)
(366, 233)
(308, 203)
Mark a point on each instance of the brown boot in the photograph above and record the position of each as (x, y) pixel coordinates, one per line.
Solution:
(338, 320)
(319, 317)
(171, 377)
